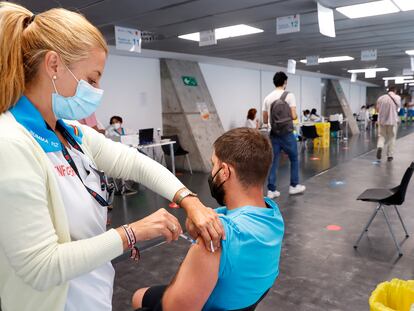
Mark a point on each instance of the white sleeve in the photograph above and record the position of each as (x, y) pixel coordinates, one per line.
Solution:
(265, 106)
(291, 100)
(28, 237)
(120, 161)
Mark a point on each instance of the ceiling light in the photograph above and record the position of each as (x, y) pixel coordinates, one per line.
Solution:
(331, 59)
(410, 52)
(398, 77)
(367, 69)
(368, 9)
(404, 5)
(225, 32)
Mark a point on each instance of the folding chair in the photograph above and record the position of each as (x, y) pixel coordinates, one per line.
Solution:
(387, 197)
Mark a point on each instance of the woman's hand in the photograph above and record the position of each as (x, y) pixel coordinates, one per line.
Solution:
(160, 223)
(203, 221)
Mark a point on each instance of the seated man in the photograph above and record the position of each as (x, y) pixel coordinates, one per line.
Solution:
(247, 264)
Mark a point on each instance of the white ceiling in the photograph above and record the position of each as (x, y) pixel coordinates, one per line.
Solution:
(391, 34)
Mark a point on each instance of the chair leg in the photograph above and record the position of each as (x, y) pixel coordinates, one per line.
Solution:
(189, 164)
(367, 225)
(392, 232)
(402, 222)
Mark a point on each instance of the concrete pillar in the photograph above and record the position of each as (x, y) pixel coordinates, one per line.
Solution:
(181, 114)
(353, 126)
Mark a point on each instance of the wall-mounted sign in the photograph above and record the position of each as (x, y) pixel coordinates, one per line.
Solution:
(128, 39)
(368, 55)
(312, 60)
(189, 81)
(288, 24)
(207, 37)
(407, 72)
(204, 113)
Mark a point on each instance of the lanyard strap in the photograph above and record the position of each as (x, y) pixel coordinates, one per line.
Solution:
(71, 162)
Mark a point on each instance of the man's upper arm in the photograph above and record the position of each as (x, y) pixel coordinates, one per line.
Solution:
(194, 281)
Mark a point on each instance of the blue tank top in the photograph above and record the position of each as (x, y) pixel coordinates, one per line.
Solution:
(249, 262)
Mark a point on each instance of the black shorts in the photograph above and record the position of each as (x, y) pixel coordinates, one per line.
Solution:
(152, 298)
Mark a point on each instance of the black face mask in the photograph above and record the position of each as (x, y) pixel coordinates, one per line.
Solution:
(217, 191)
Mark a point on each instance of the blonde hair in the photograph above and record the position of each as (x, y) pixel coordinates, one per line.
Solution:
(26, 38)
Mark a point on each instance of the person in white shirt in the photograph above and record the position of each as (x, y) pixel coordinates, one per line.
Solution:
(55, 252)
(387, 107)
(285, 141)
(251, 121)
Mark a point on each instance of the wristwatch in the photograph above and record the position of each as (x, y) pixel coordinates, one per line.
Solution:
(183, 194)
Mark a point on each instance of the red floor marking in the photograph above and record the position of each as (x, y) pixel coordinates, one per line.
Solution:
(173, 205)
(334, 228)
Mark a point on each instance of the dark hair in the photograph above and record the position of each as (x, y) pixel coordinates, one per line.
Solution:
(313, 111)
(392, 88)
(279, 78)
(306, 111)
(251, 114)
(115, 118)
(248, 151)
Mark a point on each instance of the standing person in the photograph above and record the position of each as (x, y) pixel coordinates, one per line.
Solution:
(280, 108)
(55, 252)
(251, 121)
(387, 107)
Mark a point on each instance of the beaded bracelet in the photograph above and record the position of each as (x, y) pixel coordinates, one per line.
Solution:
(131, 238)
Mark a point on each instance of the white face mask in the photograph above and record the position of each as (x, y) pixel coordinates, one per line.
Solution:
(116, 126)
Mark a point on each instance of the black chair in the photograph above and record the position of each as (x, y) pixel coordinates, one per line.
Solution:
(335, 127)
(178, 149)
(387, 197)
(309, 132)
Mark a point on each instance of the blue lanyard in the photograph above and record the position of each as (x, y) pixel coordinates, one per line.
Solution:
(103, 180)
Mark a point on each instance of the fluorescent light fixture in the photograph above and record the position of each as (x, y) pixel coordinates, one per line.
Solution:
(330, 59)
(398, 77)
(404, 5)
(408, 81)
(225, 32)
(369, 9)
(410, 52)
(367, 69)
(411, 84)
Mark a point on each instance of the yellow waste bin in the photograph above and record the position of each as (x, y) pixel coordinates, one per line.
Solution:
(323, 130)
(397, 295)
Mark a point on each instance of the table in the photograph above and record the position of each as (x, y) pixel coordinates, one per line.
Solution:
(154, 145)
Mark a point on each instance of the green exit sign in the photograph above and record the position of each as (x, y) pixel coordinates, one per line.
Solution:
(189, 81)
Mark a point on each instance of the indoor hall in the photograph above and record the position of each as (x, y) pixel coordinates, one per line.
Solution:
(277, 135)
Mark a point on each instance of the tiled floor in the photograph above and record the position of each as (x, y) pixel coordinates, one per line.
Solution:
(319, 269)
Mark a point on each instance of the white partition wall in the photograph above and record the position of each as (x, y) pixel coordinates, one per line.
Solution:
(132, 90)
(311, 94)
(234, 91)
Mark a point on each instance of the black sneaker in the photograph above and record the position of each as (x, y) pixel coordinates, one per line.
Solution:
(390, 159)
(379, 153)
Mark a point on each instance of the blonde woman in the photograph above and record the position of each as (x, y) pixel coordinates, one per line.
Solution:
(55, 251)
